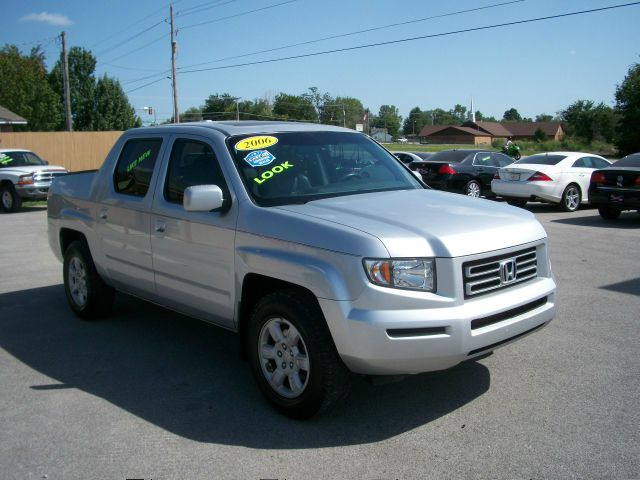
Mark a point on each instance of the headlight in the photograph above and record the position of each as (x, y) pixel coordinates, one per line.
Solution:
(408, 273)
(25, 179)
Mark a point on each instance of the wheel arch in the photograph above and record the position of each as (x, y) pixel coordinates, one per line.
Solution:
(254, 287)
(67, 236)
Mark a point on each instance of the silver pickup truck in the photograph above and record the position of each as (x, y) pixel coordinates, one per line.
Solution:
(314, 243)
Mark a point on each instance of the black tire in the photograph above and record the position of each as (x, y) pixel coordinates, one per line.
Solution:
(517, 202)
(10, 201)
(608, 212)
(473, 189)
(571, 198)
(88, 296)
(517, 156)
(315, 369)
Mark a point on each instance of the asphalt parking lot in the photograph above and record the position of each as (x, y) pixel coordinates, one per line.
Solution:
(148, 394)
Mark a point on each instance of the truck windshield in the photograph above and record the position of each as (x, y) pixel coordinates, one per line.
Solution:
(297, 167)
(19, 159)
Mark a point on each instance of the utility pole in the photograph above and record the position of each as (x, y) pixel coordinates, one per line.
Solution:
(176, 111)
(65, 85)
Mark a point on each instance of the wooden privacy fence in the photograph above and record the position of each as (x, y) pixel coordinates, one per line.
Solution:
(73, 150)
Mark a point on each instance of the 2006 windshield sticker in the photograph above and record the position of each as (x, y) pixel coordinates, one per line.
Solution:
(259, 158)
(256, 143)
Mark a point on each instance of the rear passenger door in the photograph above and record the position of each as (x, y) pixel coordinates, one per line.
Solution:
(123, 216)
(193, 252)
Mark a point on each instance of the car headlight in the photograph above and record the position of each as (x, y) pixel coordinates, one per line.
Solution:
(406, 273)
(25, 179)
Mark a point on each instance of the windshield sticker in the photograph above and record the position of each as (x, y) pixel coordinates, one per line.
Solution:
(274, 171)
(255, 143)
(5, 159)
(259, 158)
(139, 160)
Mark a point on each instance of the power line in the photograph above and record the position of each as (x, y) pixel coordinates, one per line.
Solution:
(237, 15)
(128, 39)
(127, 28)
(131, 68)
(146, 85)
(367, 30)
(411, 39)
(192, 10)
(164, 73)
(139, 48)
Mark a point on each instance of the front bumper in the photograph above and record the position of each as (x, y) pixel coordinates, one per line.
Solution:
(395, 332)
(35, 191)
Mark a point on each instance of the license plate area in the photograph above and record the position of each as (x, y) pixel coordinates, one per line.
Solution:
(513, 177)
(616, 198)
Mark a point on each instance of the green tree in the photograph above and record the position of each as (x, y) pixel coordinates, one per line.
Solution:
(543, 117)
(343, 111)
(219, 107)
(82, 85)
(389, 118)
(319, 101)
(585, 120)
(112, 110)
(294, 107)
(191, 114)
(414, 122)
(627, 134)
(511, 115)
(26, 91)
(459, 113)
(539, 135)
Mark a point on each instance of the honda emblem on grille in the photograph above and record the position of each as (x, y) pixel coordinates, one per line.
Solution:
(508, 271)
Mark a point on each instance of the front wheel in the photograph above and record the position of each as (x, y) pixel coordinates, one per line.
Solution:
(571, 197)
(9, 199)
(608, 212)
(293, 357)
(87, 294)
(472, 189)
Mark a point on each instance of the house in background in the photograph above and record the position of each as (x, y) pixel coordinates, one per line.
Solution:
(453, 134)
(527, 130)
(8, 119)
(381, 135)
(484, 133)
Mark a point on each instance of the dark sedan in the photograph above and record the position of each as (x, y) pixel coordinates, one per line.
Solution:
(462, 171)
(617, 187)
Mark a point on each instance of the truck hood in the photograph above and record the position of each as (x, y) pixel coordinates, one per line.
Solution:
(428, 223)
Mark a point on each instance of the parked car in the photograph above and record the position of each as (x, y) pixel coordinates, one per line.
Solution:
(555, 177)
(462, 171)
(616, 187)
(412, 160)
(259, 228)
(24, 176)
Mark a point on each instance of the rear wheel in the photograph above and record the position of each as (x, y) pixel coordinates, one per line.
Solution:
(293, 357)
(608, 212)
(88, 296)
(571, 197)
(472, 189)
(9, 199)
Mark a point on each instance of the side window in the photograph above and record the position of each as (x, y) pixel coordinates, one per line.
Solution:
(502, 160)
(135, 166)
(599, 163)
(483, 159)
(580, 163)
(191, 163)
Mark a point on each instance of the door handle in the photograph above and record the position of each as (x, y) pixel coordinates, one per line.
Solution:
(103, 214)
(160, 226)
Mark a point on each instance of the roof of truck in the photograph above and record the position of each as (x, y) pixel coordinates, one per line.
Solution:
(241, 127)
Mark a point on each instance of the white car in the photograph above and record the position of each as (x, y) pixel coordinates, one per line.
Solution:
(555, 177)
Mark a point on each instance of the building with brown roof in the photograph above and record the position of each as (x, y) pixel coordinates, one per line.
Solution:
(452, 134)
(527, 130)
(8, 119)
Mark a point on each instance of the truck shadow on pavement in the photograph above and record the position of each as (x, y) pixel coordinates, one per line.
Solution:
(187, 377)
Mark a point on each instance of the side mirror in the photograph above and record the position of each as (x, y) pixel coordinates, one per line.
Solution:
(204, 198)
(45, 162)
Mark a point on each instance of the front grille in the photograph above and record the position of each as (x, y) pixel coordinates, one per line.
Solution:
(489, 274)
(47, 176)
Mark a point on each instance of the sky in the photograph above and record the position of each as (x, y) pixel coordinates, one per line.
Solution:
(536, 67)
